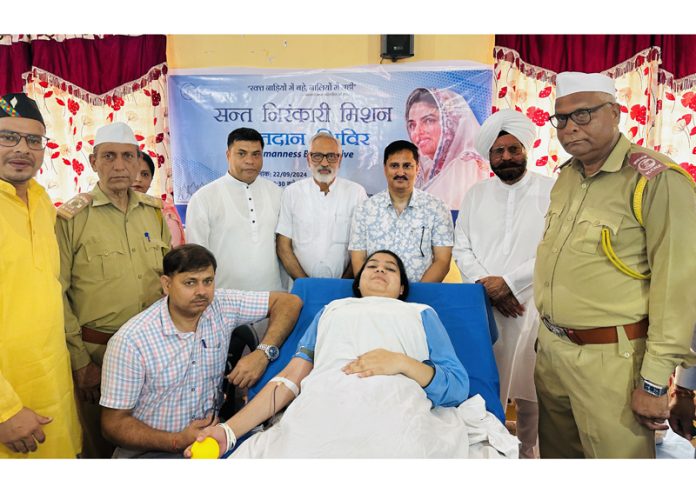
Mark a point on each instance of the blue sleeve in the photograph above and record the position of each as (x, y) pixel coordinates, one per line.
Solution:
(450, 384)
(305, 348)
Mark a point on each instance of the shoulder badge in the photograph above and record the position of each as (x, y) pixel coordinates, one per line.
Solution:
(646, 165)
(566, 163)
(70, 208)
(151, 201)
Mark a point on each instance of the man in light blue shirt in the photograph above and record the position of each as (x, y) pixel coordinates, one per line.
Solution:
(414, 224)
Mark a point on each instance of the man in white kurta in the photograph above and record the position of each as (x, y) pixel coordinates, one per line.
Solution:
(500, 223)
(315, 214)
(235, 217)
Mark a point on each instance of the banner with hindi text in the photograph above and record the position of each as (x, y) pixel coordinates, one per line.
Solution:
(363, 107)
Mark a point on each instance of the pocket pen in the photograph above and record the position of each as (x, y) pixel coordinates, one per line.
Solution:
(420, 245)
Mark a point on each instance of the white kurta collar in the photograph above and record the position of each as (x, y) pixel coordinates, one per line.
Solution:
(231, 179)
(516, 186)
(316, 189)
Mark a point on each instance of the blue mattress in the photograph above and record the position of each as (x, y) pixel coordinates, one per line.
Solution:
(463, 308)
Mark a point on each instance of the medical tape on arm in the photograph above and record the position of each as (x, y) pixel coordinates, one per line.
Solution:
(288, 383)
(229, 435)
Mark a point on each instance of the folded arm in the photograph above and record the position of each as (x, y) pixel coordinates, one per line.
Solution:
(442, 376)
(384, 362)
(450, 384)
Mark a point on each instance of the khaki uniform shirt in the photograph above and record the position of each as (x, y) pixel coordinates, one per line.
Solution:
(576, 285)
(110, 264)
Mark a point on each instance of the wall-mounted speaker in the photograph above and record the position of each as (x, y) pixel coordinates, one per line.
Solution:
(396, 46)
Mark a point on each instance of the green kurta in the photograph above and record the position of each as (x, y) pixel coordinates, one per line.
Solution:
(111, 263)
(576, 285)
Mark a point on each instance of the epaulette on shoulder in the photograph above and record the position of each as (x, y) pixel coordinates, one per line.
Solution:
(76, 204)
(566, 163)
(151, 201)
(650, 165)
(647, 164)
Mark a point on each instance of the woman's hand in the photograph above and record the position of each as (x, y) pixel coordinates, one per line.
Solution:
(383, 362)
(376, 362)
(211, 431)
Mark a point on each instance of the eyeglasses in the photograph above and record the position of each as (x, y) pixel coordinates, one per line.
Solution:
(497, 153)
(583, 116)
(318, 157)
(34, 142)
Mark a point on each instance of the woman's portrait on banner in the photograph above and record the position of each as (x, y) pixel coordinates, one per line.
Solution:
(443, 127)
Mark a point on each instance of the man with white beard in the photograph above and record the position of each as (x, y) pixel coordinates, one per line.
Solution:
(315, 216)
(498, 228)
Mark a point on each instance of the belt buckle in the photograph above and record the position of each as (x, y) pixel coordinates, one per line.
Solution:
(555, 329)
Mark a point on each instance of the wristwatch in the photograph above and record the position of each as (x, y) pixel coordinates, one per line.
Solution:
(271, 352)
(652, 388)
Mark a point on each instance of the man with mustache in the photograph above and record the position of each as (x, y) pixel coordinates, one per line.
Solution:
(111, 243)
(499, 225)
(38, 416)
(163, 370)
(415, 225)
(315, 214)
(613, 283)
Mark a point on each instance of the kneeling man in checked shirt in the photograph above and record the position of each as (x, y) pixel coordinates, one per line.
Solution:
(163, 370)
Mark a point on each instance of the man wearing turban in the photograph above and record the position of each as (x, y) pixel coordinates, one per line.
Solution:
(500, 223)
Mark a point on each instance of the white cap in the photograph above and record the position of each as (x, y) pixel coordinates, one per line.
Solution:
(115, 133)
(571, 82)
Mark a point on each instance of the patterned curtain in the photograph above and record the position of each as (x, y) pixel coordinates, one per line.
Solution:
(676, 107)
(82, 82)
(73, 116)
(657, 109)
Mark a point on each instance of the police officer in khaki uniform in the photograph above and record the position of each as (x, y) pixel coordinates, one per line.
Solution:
(112, 241)
(613, 283)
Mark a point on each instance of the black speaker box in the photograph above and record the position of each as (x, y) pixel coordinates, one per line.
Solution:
(396, 46)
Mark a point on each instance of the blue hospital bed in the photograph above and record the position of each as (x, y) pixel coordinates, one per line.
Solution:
(464, 310)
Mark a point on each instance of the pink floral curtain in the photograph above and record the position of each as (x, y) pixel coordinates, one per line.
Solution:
(529, 90)
(82, 82)
(658, 110)
(73, 116)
